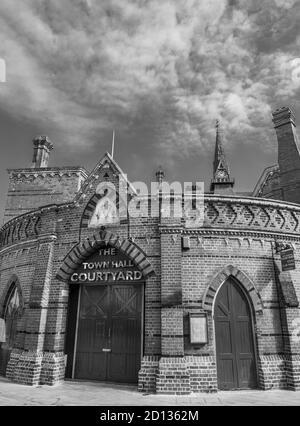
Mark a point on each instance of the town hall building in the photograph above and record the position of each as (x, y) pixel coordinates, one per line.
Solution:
(171, 303)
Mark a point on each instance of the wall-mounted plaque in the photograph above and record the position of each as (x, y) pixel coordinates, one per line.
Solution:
(287, 259)
(198, 329)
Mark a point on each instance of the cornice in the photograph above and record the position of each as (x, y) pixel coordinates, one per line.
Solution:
(265, 202)
(211, 232)
(48, 171)
(18, 245)
(170, 229)
(41, 239)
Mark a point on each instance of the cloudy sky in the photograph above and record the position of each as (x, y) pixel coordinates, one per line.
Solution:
(159, 72)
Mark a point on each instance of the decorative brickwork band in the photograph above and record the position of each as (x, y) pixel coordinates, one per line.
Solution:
(221, 212)
(84, 249)
(244, 280)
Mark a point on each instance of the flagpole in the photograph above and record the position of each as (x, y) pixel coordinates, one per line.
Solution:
(113, 145)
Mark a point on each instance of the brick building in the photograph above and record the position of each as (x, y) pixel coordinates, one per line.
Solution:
(161, 300)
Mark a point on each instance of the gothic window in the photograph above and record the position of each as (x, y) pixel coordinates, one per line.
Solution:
(11, 314)
(106, 210)
(8, 330)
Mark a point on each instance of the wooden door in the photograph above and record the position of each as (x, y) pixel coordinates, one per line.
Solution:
(236, 364)
(92, 335)
(124, 360)
(109, 333)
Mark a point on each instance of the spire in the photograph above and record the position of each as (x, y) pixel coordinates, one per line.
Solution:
(221, 182)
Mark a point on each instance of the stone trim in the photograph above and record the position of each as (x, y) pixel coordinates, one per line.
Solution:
(229, 232)
(242, 278)
(84, 249)
(13, 248)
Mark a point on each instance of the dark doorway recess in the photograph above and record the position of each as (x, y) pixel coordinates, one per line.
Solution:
(106, 344)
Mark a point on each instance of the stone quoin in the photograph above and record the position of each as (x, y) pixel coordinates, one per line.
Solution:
(156, 301)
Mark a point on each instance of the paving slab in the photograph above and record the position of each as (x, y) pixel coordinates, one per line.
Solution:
(82, 393)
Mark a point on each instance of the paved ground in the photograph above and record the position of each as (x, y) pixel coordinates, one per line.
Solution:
(87, 393)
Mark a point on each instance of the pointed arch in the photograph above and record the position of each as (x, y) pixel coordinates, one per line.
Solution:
(89, 210)
(84, 249)
(12, 309)
(12, 282)
(111, 194)
(243, 280)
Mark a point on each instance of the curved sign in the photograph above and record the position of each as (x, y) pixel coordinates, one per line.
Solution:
(107, 265)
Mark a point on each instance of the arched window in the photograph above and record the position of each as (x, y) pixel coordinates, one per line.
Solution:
(11, 314)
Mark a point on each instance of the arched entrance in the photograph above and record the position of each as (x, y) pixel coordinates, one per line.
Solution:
(105, 317)
(235, 345)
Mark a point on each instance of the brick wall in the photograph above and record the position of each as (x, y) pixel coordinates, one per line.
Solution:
(239, 232)
(30, 189)
(282, 181)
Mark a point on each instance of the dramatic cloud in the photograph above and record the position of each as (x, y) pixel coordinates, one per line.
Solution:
(166, 68)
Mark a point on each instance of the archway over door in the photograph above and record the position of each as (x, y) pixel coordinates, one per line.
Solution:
(81, 251)
(235, 344)
(104, 331)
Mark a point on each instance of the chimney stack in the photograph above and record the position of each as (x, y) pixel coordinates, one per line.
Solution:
(288, 154)
(160, 175)
(41, 151)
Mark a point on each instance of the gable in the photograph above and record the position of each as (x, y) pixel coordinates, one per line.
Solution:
(106, 170)
(103, 192)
